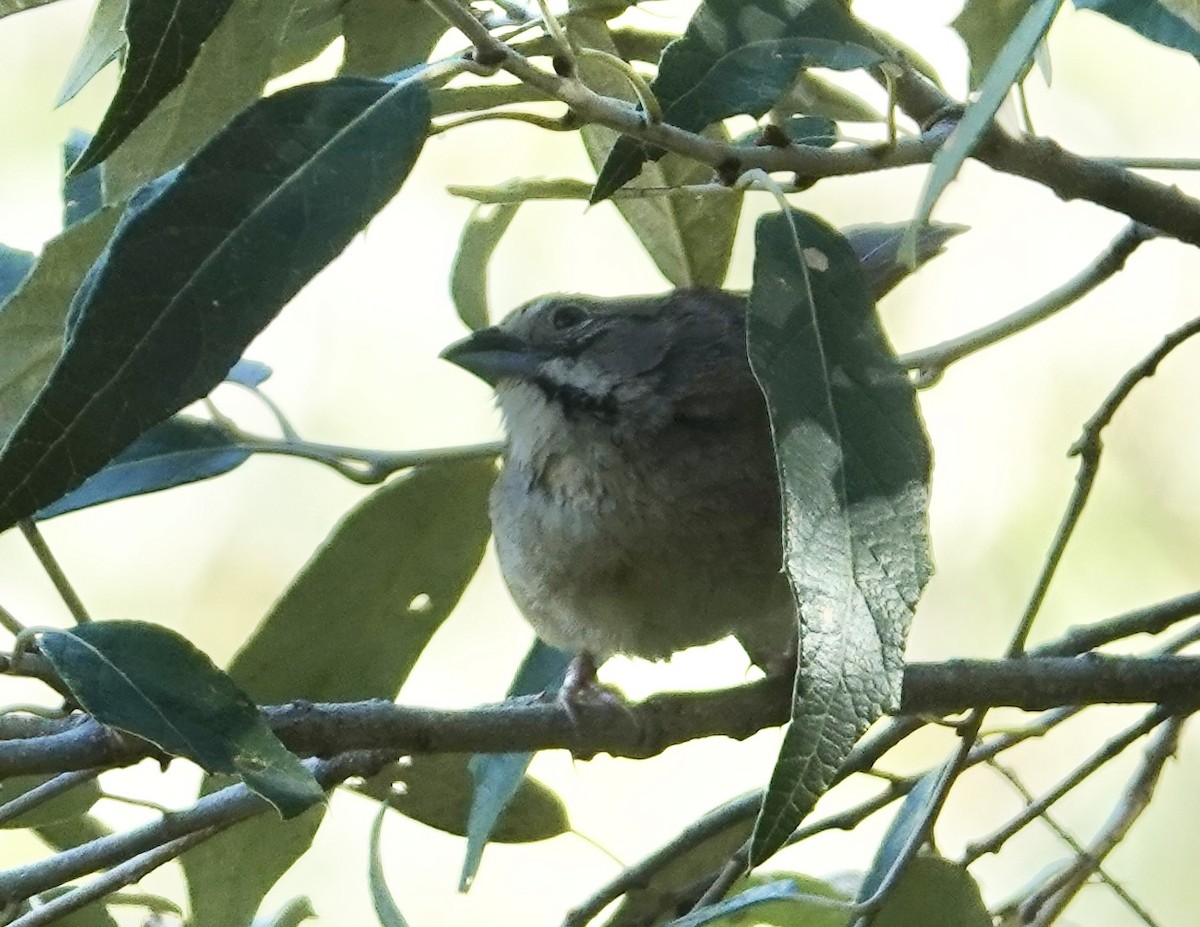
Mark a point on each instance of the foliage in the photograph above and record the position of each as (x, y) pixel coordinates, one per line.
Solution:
(207, 199)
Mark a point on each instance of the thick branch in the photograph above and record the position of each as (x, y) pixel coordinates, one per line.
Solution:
(642, 730)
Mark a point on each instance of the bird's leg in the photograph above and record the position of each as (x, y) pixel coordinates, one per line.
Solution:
(581, 685)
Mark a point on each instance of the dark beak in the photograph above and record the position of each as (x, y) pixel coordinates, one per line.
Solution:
(493, 355)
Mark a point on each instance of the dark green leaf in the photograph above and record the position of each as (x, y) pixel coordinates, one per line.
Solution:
(150, 681)
(799, 130)
(163, 38)
(469, 273)
(689, 238)
(985, 25)
(228, 875)
(228, 74)
(383, 36)
(438, 789)
(82, 195)
(381, 897)
(749, 79)
(65, 807)
(15, 265)
(181, 450)
(720, 28)
(383, 581)
(877, 247)
(854, 465)
(906, 826)
(198, 267)
(33, 319)
(499, 776)
(1010, 64)
(102, 43)
(934, 892)
(1174, 23)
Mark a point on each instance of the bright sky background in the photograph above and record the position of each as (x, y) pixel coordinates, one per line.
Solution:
(355, 363)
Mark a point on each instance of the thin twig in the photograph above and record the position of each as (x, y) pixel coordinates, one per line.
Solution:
(39, 795)
(218, 810)
(1151, 619)
(1110, 750)
(1088, 448)
(116, 878)
(1045, 905)
(1076, 847)
(45, 556)
(931, 363)
(9, 622)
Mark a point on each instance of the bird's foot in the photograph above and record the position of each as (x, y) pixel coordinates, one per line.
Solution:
(581, 687)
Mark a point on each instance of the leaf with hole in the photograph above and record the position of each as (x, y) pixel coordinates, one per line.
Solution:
(149, 681)
(854, 466)
(203, 261)
(383, 582)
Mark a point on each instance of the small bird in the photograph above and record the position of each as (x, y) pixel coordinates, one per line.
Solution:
(638, 507)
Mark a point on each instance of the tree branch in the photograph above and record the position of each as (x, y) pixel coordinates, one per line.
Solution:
(646, 729)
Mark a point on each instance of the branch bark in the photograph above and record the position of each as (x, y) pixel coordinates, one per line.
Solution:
(29, 746)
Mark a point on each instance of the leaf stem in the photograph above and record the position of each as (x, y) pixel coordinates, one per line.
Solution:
(46, 557)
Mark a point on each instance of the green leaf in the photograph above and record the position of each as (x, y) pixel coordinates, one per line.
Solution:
(815, 96)
(790, 911)
(728, 911)
(151, 682)
(294, 913)
(854, 465)
(163, 38)
(228, 74)
(71, 804)
(934, 892)
(1174, 23)
(202, 259)
(82, 196)
(378, 588)
(381, 897)
(985, 25)
(228, 874)
(90, 915)
(1010, 64)
(438, 789)
(906, 827)
(645, 903)
(469, 272)
(718, 29)
(102, 43)
(33, 318)
(499, 777)
(689, 238)
(15, 265)
(309, 26)
(383, 36)
(181, 450)
(8, 7)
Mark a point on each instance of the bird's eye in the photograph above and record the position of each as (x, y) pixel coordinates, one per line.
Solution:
(567, 315)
